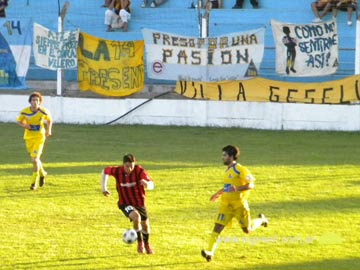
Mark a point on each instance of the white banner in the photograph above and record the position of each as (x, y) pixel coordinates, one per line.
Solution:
(229, 57)
(306, 49)
(54, 50)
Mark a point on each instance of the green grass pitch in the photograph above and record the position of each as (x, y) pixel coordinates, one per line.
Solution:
(307, 184)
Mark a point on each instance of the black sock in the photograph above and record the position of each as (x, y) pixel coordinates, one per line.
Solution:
(145, 237)
(139, 236)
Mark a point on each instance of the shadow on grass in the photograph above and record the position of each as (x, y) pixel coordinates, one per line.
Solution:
(86, 169)
(316, 206)
(350, 263)
(86, 263)
(81, 263)
(26, 193)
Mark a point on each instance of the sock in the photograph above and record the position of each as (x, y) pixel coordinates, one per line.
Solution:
(213, 242)
(145, 237)
(256, 223)
(35, 178)
(41, 170)
(139, 236)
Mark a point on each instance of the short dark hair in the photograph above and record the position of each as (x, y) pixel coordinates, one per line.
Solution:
(232, 151)
(129, 158)
(36, 94)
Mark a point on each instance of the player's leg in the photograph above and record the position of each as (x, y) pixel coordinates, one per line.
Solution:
(130, 212)
(35, 175)
(223, 218)
(32, 150)
(42, 172)
(145, 224)
(247, 225)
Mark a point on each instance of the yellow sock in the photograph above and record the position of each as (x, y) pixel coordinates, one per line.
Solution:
(41, 170)
(35, 178)
(213, 242)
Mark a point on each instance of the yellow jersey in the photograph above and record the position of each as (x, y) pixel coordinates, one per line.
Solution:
(36, 122)
(236, 175)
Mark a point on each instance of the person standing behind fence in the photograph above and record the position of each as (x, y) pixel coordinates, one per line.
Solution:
(3, 6)
(118, 15)
(239, 4)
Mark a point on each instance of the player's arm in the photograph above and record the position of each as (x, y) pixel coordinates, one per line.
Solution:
(49, 127)
(104, 181)
(216, 195)
(146, 180)
(23, 125)
(248, 186)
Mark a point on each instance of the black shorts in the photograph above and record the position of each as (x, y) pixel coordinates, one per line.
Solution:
(127, 209)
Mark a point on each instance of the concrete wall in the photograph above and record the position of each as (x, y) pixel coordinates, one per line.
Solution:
(192, 113)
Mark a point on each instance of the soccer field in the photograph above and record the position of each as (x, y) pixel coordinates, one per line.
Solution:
(307, 184)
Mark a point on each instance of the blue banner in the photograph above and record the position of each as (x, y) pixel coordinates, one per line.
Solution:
(15, 51)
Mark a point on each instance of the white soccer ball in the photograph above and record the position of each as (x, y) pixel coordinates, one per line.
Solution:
(129, 236)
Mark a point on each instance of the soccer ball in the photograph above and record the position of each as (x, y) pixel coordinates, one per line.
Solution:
(129, 236)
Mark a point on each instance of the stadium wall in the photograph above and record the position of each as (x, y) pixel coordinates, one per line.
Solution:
(271, 116)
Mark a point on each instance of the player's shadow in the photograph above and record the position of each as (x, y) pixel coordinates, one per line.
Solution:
(315, 206)
(166, 265)
(73, 263)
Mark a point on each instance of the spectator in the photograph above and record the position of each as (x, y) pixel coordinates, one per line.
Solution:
(106, 3)
(118, 15)
(334, 5)
(214, 4)
(154, 3)
(349, 6)
(3, 5)
(239, 4)
(325, 6)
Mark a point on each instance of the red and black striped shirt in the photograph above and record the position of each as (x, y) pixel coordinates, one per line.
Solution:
(128, 186)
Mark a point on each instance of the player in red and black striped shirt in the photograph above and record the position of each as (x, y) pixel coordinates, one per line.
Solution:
(131, 181)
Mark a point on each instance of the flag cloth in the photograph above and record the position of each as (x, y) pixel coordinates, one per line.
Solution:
(228, 57)
(306, 49)
(54, 50)
(110, 68)
(15, 51)
(344, 91)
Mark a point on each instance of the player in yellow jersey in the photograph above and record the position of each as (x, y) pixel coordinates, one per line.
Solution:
(238, 182)
(33, 120)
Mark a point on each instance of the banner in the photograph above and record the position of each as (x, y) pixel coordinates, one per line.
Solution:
(228, 57)
(344, 91)
(15, 51)
(54, 50)
(306, 49)
(110, 68)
